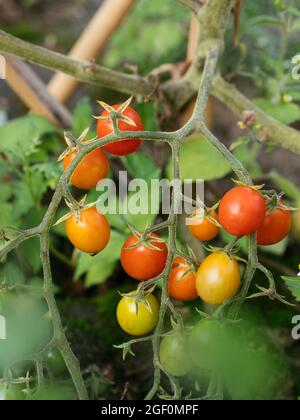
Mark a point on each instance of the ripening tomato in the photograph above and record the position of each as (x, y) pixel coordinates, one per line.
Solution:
(173, 355)
(218, 278)
(202, 228)
(122, 147)
(138, 318)
(90, 233)
(275, 227)
(205, 343)
(92, 169)
(143, 262)
(242, 211)
(182, 281)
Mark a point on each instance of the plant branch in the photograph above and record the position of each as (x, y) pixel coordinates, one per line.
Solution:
(83, 71)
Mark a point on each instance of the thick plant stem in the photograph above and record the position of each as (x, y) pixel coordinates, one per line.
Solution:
(59, 335)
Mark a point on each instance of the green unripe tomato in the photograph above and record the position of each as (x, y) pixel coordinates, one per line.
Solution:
(173, 355)
(205, 343)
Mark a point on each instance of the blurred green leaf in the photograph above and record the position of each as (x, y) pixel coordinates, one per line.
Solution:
(31, 253)
(285, 113)
(243, 153)
(140, 165)
(21, 136)
(200, 160)
(277, 249)
(293, 283)
(82, 116)
(286, 186)
(99, 268)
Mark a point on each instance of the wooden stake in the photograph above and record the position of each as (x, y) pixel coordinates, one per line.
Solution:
(91, 43)
(33, 92)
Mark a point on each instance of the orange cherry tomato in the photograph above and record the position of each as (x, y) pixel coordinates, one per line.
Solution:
(218, 278)
(92, 169)
(90, 233)
(143, 262)
(276, 226)
(182, 281)
(202, 228)
(121, 147)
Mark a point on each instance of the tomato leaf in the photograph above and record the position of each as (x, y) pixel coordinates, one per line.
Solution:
(293, 284)
(285, 113)
(200, 160)
(289, 188)
(99, 268)
(21, 136)
(140, 165)
(82, 117)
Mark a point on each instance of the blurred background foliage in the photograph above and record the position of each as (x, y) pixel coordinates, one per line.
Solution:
(155, 32)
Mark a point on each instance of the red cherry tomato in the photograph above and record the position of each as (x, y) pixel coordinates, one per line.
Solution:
(275, 227)
(90, 232)
(122, 147)
(242, 211)
(182, 281)
(143, 262)
(93, 168)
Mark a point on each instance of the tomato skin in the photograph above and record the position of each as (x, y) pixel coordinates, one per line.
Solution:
(140, 323)
(142, 263)
(91, 233)
(218, 278)
(121, 147)
(92, 169)
(204, 230)
(242, 211)
(275, 227)
(182, 282)
(204, 343)
(172, 355)
(55, 362)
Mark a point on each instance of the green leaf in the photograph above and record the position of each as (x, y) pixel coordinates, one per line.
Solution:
(286, 186)
(31, 253)
(278, 249)
(99, 268)
(23, 199)
(293, 284)
(243, 153)
(200, 160)
(21, 136)
(82, 116)
(265, 20)
(49, 171)
(285, 113)
(140, 165)
(11, 273)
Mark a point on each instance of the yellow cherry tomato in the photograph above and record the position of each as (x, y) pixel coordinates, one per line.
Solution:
(218, 278)
(138, 318)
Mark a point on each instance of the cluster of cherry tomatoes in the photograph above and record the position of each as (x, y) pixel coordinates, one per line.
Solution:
(241, 212)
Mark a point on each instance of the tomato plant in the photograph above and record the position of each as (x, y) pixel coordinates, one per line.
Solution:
(89, 231)
(203, 228)
(137, 317)
(182, 281)
(218, 278)
(144, 260)
(275, 227)
(121, 147)
(242, 211)
(92, 169)
(173, 354)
